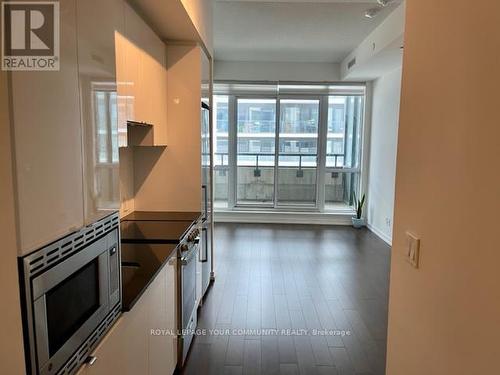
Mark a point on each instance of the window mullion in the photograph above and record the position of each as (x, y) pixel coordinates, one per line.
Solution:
(232, 151)
(322, 148)
(276, 150)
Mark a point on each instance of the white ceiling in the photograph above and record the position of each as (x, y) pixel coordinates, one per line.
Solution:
(292, 30)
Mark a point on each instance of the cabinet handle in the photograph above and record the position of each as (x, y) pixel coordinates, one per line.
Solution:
(91, 360)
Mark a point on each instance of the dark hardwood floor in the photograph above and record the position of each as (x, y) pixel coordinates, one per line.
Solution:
(298, 278)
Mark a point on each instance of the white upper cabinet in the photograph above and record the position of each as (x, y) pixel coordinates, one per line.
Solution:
(142, 80)
(48, 144)
(68, 124)
(97, 22)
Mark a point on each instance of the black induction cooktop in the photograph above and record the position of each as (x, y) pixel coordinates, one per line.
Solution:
(162, 216)
(156, 227)
(149, 240)
(140, 265)
(154, 232)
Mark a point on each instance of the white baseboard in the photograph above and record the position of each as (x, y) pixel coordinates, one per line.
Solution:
(384, 237)
(282, 218)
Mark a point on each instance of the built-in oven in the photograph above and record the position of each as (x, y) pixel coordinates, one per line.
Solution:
(72, 295)
(188, 251)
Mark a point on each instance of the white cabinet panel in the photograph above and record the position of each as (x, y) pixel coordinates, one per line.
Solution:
(130, 347)
(162, 344)
(122, 87)
(142, 77)
(97, 22)
(48, 148)
(124, 349)
(199, 275)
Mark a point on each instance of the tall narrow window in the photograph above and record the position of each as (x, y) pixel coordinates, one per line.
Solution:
(343, 150)
(221, 150)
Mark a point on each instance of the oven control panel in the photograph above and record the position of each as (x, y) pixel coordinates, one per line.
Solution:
(190, 239)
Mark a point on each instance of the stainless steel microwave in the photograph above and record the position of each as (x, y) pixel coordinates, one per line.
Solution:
(72, 295)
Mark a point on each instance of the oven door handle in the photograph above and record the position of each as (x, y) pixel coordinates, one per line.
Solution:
(204, 246)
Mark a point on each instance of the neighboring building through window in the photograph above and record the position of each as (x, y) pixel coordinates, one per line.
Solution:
(277, 141)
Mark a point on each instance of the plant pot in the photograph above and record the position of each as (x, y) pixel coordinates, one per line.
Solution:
(358, 223)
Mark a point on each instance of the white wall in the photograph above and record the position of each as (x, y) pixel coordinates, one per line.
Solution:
(201, 14)
(386, 94)
(444, 317)
(276, 71)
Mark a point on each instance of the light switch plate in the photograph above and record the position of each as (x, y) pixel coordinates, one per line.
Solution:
(412, 249)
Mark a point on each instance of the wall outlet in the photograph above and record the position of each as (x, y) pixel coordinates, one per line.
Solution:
(412, 249)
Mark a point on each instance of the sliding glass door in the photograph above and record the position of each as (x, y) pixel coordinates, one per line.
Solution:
(288, 148)
(298, 152)
(256, 138)
(286, 178)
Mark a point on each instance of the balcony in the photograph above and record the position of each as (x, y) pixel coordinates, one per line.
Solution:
(296, 180)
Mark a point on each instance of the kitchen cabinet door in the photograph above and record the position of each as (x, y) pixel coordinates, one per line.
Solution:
(124, 349)
(127, 78)
(132, 74)
(122, 87)
(47, 144)
(154, 77)
(97, 22)
(162, 340)
(142, 341)
(135, 41)
(199, 273)
(146, 75)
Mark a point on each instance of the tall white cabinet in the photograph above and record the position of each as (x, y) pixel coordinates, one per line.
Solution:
(97, 23)
(68, 125)
(142, 79)
(48, 144)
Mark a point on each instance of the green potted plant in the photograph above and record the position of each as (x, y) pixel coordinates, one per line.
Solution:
(358, 221)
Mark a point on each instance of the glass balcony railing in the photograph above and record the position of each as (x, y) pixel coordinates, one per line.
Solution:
(291, 159)
(339, 188)
(296, 180)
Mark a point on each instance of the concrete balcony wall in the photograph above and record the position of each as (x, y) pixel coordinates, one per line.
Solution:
(290, 188)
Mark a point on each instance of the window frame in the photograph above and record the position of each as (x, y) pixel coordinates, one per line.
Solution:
(233, 177)
(321, 168)
(299, 207)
